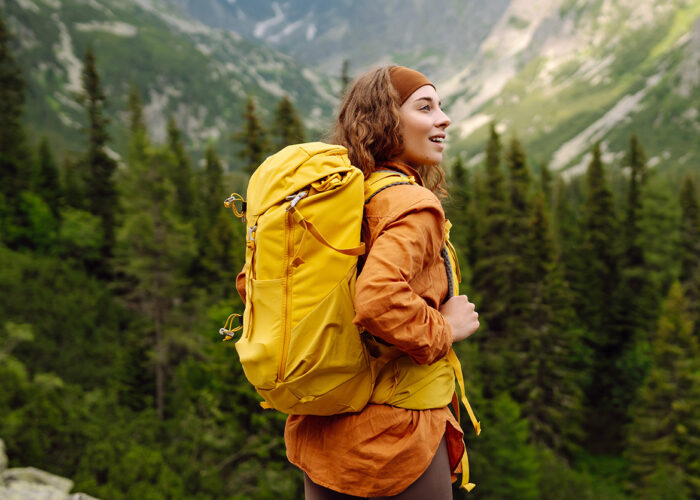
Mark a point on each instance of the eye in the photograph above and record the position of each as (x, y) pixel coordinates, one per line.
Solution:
(426, 108)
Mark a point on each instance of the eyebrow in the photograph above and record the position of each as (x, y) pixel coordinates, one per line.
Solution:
(429, 99)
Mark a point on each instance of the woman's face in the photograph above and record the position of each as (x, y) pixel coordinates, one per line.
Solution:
(423, 125)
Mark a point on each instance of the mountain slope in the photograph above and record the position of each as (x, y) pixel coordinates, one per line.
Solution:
(568, 73)
(201, 75)
(435, 36)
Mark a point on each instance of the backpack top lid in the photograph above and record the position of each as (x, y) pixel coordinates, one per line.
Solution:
(290, 170)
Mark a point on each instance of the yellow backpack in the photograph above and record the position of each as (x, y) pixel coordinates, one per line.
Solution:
(299, 346)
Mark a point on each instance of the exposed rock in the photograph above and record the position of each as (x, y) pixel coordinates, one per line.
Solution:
(3, 459)
(29, 483)
(39, 477)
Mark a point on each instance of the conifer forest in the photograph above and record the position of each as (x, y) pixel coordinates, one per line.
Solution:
(115, 277)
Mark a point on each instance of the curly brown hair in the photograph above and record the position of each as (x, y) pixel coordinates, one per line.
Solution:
(368, 126)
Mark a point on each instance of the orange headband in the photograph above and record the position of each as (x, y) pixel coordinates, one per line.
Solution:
(406, 81)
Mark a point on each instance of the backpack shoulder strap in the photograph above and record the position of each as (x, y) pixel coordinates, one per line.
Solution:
(382, 179)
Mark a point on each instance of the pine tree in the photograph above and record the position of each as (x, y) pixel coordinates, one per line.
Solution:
(14, 154)
(457, 207)
(546, 180)
(491, 275)
(155, 247)
(100, 189)
(504, 460)
(521, 275)
(594, 296)
(690, 240)
(635, 301)
(548, 385)
(182, 175)
(72, 184)
(47, 183)
(253, 137)
(665, 431)
(345, 78)
(212, 189)
(288, 127)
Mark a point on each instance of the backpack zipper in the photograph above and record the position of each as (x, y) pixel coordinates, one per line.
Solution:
(287, 290)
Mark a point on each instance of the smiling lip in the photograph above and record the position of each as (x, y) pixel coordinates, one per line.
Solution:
(441, 143)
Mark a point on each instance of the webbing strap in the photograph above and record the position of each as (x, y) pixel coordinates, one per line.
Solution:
(309, 226)
(457, 368)
(381, 179)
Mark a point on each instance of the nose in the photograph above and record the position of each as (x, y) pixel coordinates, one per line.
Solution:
(443, 121)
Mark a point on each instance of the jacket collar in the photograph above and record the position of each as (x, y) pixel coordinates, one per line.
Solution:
(402, 167)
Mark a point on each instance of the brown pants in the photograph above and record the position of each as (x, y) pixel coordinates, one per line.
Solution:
(434, 484)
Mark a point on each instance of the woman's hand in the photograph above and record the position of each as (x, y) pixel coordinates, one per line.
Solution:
(461, 316)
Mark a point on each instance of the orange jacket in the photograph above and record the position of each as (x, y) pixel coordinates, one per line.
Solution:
(383, 449)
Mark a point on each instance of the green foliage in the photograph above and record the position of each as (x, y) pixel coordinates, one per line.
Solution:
(690, 242)
(154, 248)
(636, 300)
(666, 419)
(491, 276)
(287, 127)
(182, 175)
(504, 465)
(14, 158)
(30, 223)
(253, 138)
(594, 292)
(47, 183)
(99, 168)
(558, 480)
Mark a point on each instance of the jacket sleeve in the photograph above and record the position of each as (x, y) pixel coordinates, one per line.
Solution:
(386, 304)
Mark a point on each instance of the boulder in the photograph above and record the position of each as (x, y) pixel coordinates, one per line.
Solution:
(29, 483)
(35, 476)
(3, 457)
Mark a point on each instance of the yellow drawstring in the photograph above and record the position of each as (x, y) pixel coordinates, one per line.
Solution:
(227, 330)
(230, 202)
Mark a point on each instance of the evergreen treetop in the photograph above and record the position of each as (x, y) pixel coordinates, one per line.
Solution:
(288, 127)
(100, 189)
(15, 166)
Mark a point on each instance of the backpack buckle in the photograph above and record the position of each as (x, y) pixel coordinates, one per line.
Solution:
(295, 199)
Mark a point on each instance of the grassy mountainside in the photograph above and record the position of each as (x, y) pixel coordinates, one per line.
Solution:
(201, 75)
(572, 73)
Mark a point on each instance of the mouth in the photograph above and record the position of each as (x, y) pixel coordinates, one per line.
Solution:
(437, 139)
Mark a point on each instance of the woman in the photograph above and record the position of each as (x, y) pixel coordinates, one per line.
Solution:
(391, 120)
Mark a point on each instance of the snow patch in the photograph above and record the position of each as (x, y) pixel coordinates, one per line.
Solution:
(316, 82)
(624, 107)
(490, 86)
(653, 161)
(112, 154)
(263, 26)
(68, 102)
(64, 53)
(507, 39)
(204, 49)
(310, 32)
(154, 115)
(115, 28)
(272, 87)
(28, 5)
(189, 27)
(288, 30)
(476, 159)
(470, 125)
(67, 121)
